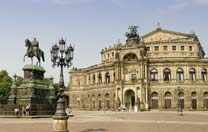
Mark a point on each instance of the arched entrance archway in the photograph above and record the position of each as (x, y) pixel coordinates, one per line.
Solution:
(129, 99)
(99, 102)
(193, 101)
(181, 100)
(93, 102)
(154, 100)
(168, 98)
(205, 100)
(107, 101)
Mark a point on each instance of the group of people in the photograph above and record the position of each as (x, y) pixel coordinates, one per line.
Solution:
(26, 111)
(22, 111)
(68, 111)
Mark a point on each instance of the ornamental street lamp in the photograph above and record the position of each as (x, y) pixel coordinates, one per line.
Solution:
(61, 56)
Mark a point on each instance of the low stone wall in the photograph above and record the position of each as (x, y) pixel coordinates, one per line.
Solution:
(6, 109)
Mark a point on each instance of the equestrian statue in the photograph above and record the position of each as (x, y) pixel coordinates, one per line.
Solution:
(33, 50)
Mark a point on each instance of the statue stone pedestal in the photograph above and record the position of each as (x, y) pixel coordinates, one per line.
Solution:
(36, 91)
(32, 72)
(60, 124)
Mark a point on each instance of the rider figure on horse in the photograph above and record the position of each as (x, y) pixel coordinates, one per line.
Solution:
(33, 50)
(35, 46)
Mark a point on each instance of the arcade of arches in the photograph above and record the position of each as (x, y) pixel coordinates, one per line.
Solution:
(170, 101)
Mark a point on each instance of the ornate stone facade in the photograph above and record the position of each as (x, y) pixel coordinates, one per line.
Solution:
(154, 71)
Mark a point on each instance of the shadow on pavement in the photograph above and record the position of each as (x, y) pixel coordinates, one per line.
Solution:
(95, 130)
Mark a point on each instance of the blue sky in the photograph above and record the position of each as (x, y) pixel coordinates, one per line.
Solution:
(90, 25)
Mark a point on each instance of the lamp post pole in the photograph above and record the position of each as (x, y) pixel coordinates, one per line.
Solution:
(61, 57)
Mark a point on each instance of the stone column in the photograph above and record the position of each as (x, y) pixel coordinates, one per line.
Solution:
(136, 100)
(200, 102)
(187, 100)
(122, 95)
(146, 81)
(160, 99)
(147, 99)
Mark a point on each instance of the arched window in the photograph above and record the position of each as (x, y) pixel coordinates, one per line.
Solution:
(180, 74)
(107, 77)
(89, 79)
(78, 102)
(193, 101)
(154, 100)
(99, 102)
(168, 98)
(166, 74)
(114, 76)
(99, 78)
(205, 100)
(204, 74)
(154, 75)
(93, 78)
(107, 101)
(192, 74)
(117, 56)
(93, 101)
(130, 57)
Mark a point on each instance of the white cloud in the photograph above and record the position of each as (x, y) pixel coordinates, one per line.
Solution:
(201, 2)
(180, 5)
(119, 3)
(70, 2)
(194, 2)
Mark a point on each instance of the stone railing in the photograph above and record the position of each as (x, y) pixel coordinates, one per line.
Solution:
(175, 81)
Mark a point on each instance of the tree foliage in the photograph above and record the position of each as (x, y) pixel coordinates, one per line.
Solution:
(5, 83)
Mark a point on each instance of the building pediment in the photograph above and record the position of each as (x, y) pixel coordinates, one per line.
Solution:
(165, 35)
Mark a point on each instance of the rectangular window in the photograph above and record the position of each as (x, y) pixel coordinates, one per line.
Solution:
(156, 48)
(153, 76)
(182, 48)
(190, 48)
(133, 77)
(165, 48)
(148, 48)
(173, 47)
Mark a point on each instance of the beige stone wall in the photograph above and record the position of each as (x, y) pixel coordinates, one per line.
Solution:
(129, 66)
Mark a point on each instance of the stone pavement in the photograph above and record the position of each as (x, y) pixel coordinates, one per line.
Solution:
(115, 122)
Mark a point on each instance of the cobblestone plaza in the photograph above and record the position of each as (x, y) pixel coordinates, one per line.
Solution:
(89, 121)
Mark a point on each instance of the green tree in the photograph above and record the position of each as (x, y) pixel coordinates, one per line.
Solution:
(5, 83)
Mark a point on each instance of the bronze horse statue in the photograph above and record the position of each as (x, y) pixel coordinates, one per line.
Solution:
(33, 50)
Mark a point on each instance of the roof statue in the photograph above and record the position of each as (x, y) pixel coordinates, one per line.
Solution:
(158, 25)
(133, 34)
(33, 50)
